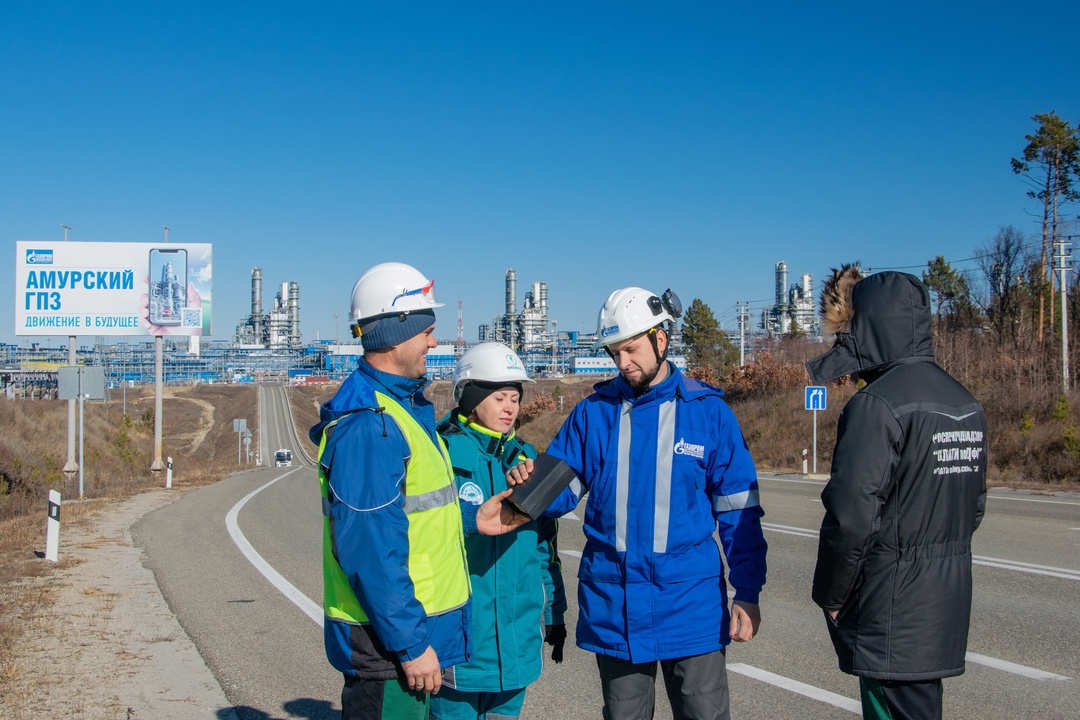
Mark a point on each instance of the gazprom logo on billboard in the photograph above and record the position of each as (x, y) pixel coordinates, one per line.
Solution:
(39, 257)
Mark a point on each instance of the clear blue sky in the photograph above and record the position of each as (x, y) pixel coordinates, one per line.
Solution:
(589, 145)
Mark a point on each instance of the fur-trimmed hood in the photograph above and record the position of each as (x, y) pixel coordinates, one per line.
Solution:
(836, 309)
(877, 320)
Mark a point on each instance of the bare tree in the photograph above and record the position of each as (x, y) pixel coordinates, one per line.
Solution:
(1004, 266)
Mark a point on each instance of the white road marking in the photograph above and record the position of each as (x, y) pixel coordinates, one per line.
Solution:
(302, 601)
(1013, 668)
(1050, 570)
(788, 530)
(1035, 500)
(800, 688)
(988, 495)
(571, 553)
(569, 516)
(791, 480)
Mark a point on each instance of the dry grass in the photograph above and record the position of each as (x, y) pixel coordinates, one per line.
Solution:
(1034, 433)
(118, 451)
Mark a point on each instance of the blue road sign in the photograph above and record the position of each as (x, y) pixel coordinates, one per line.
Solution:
(815, 397)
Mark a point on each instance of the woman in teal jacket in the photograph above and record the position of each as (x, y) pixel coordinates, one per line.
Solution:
(518, 596)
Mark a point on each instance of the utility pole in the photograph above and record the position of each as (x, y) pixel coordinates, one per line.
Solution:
(744, 314)
(459, 342)
(554, 347)
(1063, 268)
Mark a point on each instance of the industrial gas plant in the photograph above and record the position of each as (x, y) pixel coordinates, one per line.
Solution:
(527, 330)
(267, 344)
(279, 328)
(794, 307)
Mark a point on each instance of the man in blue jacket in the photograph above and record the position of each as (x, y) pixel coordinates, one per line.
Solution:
(396, 586)
(665, 464)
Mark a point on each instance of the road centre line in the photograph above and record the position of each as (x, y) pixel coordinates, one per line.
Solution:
(302, 601)
(788, 530)
(1013, 668)
(989, 495)
(1049, 570)
(797, 687)
(1034, 500)
(791, 480)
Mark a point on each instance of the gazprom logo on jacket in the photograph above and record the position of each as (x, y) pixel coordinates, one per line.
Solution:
(684, 448)
(471, 493)
(39, 257)
(609, 330)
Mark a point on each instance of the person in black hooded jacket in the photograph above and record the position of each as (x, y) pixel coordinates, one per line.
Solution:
(906, 493)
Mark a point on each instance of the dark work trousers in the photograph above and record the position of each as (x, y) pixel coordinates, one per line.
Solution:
(897, 700)
(381, 700)
(697, 687)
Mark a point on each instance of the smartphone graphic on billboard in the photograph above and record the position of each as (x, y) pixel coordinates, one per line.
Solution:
(168, 285)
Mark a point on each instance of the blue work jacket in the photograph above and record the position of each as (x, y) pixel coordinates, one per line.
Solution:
(663, 472)
(365, 462)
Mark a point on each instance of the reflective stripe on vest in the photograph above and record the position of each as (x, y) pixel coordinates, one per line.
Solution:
(437, 565)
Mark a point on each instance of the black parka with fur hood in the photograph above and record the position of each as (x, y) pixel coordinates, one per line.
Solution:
(907, 490)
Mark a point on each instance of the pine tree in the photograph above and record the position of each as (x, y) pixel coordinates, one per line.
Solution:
(709, 346)
(1050, 164)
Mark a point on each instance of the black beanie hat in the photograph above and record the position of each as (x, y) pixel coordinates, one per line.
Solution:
(474, 392)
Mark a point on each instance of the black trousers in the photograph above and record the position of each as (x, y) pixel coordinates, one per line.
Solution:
(697, 687)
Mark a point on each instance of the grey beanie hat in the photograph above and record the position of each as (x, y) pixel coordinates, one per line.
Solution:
(388, 330)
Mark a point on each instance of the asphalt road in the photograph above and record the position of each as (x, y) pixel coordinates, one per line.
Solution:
(239, 563)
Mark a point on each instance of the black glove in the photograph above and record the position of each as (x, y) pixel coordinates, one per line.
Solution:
(555, 636)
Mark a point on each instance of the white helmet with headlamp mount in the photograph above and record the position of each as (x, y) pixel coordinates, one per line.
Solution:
(632, 311)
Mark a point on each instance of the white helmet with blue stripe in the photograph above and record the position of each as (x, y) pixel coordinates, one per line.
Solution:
(391, 288)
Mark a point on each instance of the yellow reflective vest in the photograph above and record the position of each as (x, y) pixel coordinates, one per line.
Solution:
(437, 565)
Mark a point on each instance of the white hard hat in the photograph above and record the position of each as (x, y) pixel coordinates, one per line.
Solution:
(488, 362)
(391, 287)
(631, 311)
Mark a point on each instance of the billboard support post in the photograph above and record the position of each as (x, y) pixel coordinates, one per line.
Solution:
(81, 383)
(82, 437)
(71, 467)
(158, 466)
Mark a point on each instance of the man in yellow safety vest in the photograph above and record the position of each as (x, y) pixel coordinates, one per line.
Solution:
(396, 584)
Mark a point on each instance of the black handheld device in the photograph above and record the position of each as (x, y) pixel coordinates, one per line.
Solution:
(549, 477)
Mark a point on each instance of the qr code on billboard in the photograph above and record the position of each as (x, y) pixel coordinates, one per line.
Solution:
(191, 317)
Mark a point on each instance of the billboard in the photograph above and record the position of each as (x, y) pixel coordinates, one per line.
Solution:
(102, 288)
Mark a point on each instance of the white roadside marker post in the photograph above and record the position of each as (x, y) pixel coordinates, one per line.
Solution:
(52, 535)
(168, 472)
